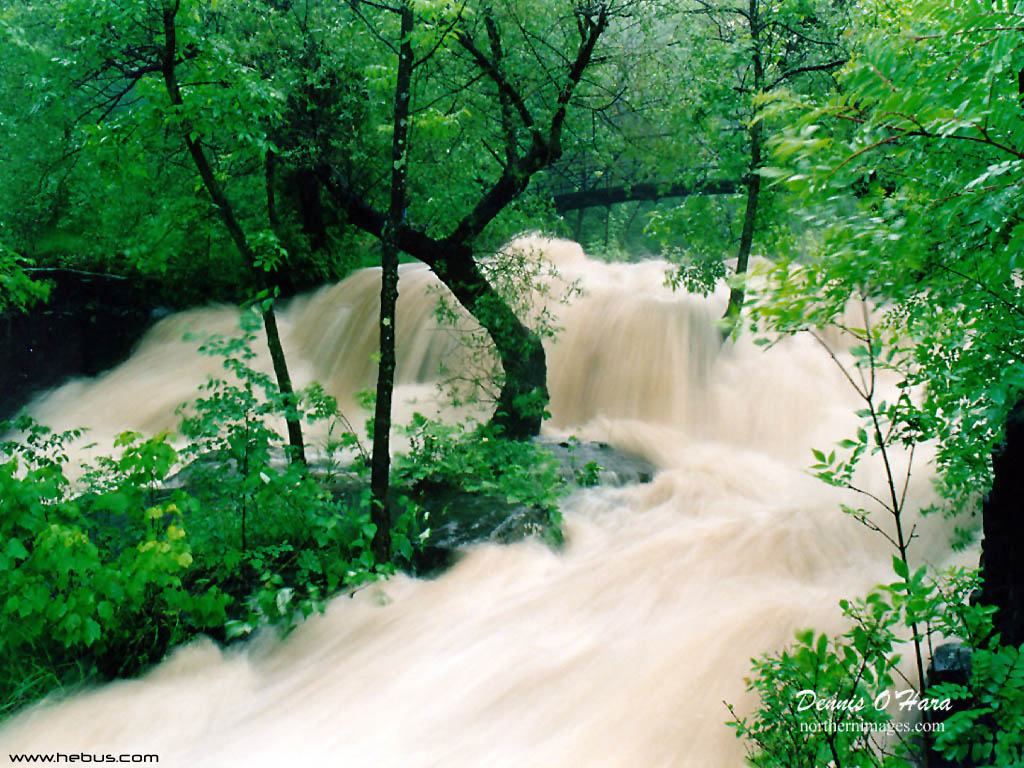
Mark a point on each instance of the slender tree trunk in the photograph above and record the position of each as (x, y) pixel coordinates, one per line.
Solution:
(231, 223)
(296, 448)
(749, 219)
(380, 464)
(753, 180)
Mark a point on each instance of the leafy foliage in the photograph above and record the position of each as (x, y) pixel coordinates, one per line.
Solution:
(903, 172)
(739, 56)
(17, 289)
(268, 521)
(447, 458)
(987, 731)
(222, 535)
(908, 173)
(95, 583)
(845, 702)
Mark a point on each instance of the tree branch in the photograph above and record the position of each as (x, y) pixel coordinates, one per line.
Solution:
(504, 88)
(542, 153)
(827, 67)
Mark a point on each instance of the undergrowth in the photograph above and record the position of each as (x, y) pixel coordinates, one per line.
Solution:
(214, 533)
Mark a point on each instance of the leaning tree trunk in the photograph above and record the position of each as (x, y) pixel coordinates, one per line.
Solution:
(1002, 515)
(524, 390)
(203, 166)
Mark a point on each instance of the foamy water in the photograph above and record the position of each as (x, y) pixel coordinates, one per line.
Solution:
(616, 651)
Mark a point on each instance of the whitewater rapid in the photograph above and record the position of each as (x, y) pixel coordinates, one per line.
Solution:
(618, 650)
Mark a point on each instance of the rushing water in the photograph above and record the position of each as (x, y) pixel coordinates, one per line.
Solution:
(617, 651)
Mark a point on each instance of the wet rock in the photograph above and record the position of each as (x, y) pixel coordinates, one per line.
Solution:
(951, 663)
(457, 519)
(598, 462)
(89, 324)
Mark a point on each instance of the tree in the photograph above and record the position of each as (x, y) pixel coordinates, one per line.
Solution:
(129, 48)
(764, 47)
(474, 75)
(86, 188)
(288, 82)
(679, 122)
(915, 167)
(381, 460)
(168, 60)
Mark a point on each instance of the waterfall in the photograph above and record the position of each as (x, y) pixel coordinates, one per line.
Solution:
(616, 651)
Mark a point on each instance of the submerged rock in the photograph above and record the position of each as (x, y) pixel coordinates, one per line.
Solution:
(598, 464)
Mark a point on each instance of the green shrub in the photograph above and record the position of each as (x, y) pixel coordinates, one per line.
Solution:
(101, 579)
(93, 584)
(982, 721)
(989, 730)
(445, 458)
(268, 529)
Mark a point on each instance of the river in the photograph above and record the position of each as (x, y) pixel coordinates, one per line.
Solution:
(616, 651)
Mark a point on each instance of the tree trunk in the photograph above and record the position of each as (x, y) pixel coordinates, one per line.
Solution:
(380, 464)
(311, 209)
(227, 214)
(753, 181)
(736, 294)
(1002, 515)
(524, 391)
(296, 448)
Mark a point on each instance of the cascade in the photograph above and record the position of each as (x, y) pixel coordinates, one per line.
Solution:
(617, 650)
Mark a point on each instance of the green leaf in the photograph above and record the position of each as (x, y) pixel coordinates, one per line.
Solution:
(15, 550)
(900, 568)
